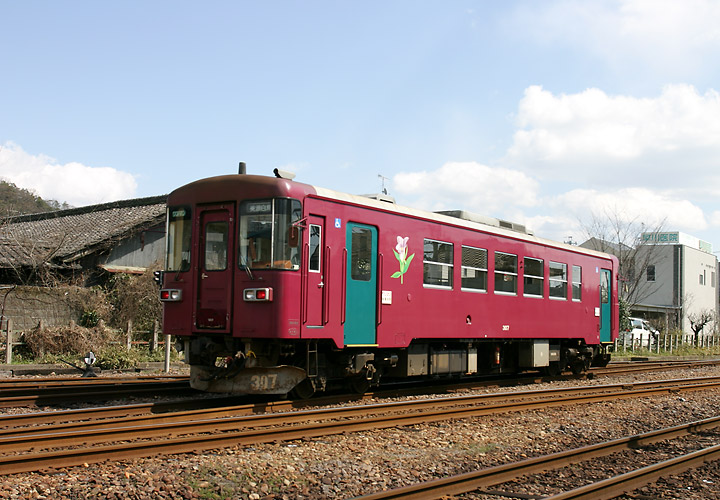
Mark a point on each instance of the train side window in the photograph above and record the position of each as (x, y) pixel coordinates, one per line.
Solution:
(558, 280)
(361, 258)
(577, 283)
(604, 288)
(216, 245)
(315, 246)
(506, 273)
(474, 269)
(534, 277)
(437, 264)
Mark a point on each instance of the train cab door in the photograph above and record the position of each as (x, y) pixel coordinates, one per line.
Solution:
(605, 305)
(315, 265)
(213, 306)
(361, 295)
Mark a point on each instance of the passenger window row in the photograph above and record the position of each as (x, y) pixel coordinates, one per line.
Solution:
(508, 272)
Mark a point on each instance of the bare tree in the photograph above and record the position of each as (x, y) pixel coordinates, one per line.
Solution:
(699, 320)
(615, 233)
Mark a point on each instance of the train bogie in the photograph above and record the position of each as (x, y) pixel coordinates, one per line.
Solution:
(278, 285)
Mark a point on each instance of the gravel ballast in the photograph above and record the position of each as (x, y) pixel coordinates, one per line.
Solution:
(344, 466)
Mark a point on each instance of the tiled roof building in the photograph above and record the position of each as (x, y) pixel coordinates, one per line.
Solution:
(124, 236)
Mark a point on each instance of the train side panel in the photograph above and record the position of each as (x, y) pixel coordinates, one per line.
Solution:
(406, 307)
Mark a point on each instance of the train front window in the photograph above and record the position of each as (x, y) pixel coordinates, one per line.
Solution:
(267, 234)
(179, 233)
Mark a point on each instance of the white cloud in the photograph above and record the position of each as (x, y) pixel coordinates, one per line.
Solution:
(467, 185)
(666, 35)
(635, 204)
(74, 183)
(617, 140)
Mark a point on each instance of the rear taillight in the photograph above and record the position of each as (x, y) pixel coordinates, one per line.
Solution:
(258, 294)
(168, 295)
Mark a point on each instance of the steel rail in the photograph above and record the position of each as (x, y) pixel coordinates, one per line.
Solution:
(15, 439)
(624, 483)
(471, 481)
(202, 406)
(16, 398)
(40, 383)
(640, 367)
(90, 422)
(230, 431)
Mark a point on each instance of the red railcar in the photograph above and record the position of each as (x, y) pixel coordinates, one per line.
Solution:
(278, 285)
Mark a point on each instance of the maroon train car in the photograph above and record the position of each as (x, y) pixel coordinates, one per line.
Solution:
(277, 285)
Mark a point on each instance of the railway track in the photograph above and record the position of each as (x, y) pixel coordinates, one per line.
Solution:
(479, 481)
(58, 390)
(27, 449)
(623, 367)
(49, 391)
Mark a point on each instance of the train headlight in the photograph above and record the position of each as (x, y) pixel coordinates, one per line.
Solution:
(167, 295)
(258, 294)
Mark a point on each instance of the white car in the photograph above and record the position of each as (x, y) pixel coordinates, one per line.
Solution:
(641, 334)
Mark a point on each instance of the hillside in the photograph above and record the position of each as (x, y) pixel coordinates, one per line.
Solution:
(17, 201)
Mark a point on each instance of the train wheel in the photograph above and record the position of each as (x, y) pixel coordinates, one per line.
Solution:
(553, 369)
(359, 385)
(304, 390)
(577, 366)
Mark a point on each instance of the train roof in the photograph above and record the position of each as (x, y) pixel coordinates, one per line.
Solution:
(458, 218)
(226, 187)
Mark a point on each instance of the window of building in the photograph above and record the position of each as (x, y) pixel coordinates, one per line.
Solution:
(558, 280)
(650, 272)
(534, 277)
(474, 269)
(712, 279)
(506, 273)
(438, 264)
(577, 283)
(702, 278)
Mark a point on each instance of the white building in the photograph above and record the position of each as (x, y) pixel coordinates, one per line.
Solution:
(680, 279)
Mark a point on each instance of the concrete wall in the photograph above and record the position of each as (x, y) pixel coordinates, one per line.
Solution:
(26, 306)
(699, 294)
(662, 291)
(678, 286)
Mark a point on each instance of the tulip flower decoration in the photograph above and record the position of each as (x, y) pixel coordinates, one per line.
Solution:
(401, 255)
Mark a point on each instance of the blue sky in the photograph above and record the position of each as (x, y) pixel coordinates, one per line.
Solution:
(538, 112)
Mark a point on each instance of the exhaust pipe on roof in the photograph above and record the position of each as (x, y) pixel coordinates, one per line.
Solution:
(242, 170)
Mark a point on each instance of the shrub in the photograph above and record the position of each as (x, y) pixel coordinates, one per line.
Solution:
(117, 357)
(69, 340)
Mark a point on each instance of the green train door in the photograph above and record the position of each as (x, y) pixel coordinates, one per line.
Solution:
(361, 285)
(605, 305)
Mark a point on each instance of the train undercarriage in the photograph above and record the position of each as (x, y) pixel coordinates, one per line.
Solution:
(261, 366)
